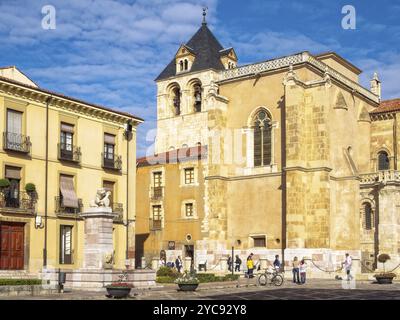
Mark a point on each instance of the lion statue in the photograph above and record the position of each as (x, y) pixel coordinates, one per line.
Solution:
(102, 199)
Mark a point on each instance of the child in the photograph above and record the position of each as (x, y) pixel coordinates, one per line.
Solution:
(303, 270)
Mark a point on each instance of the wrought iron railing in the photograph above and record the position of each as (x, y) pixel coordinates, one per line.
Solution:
(61, 209)
(156, 224)
(16, 142)
(69, 152)
(14, 199)
(157, 193)
(111, 161)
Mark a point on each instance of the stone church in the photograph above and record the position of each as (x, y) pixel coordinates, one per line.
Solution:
(289, 156)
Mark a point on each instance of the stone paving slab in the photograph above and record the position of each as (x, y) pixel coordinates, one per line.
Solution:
(243, 290)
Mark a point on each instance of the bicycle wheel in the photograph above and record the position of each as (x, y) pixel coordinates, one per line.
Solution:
(262, 280)
(277, 280)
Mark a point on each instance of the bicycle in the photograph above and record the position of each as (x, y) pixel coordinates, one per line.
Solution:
(273, 278)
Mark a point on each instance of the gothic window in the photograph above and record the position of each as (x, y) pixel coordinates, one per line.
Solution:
(367, 216)
(197, 98)
(262, 139)
(177, 101)
(383, 161)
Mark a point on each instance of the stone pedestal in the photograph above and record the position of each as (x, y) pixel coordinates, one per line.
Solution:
(154, 263)
(187, 263)
(143, 263)
(263, 263)
(98, 249)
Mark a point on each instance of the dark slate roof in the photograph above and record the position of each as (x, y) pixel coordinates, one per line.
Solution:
(207, 52)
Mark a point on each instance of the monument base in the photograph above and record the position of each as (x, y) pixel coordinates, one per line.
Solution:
(97, 280)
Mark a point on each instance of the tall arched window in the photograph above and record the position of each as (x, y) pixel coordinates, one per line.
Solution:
(197, 97)
(181, 65)
(383, 161)
(186, 64)
(367, 216)
(177, 101)
(262, 139)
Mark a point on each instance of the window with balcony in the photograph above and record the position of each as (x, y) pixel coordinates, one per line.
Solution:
(383, 161)
(110, 159)
(157, 189)
(156, 219)
(67, 202)
(189, 175)
(66, 149)
(65, 244)
(13, 139)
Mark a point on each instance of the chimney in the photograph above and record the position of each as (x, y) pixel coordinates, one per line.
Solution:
(376, 86)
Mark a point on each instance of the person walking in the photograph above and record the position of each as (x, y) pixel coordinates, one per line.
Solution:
(179, 264)
(347, 266)
(303, 271)
(238, 263)
(295, 270)
(230, 263)
(250, 265)
(277, 263)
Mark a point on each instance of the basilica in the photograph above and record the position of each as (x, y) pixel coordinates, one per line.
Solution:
(290, 156)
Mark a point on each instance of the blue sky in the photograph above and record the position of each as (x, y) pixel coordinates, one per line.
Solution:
(108, 52)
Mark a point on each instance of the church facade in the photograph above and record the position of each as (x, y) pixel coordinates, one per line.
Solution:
(290, 156)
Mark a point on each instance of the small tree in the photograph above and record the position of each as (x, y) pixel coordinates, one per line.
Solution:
(382, 258)
(30, 188)
(4, 183)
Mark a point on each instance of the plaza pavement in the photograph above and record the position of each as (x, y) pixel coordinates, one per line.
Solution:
(248, 290)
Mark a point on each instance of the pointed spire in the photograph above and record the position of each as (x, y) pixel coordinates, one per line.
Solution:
(204, 16)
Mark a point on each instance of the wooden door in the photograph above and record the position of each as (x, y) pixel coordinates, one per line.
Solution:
(12, 246)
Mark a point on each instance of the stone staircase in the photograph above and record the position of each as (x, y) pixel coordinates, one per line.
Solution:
(17, 274)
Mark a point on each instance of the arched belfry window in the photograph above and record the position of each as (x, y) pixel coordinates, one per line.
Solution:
(262, 139)
(181, 65)
(368, 216)
(383, 161)
(186, 64)
(197, 97)
(177, 101)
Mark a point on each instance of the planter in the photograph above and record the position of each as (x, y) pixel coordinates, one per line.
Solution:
(384, 280)
(188, 286)
(118, 292)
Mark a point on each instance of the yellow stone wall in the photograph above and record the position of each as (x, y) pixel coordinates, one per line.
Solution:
(88, 176)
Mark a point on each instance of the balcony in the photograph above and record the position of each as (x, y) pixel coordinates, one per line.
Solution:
(155, 224)
(69, 153)
(17, 202)
(16, 142)
(61, 210)
(381, 177)
(111, 162)
(157, 193)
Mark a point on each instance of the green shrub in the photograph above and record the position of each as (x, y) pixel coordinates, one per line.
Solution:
(20, 282)
(165, 279)
(167, 272)
(30, 187)
(231, 277)
(4, 183)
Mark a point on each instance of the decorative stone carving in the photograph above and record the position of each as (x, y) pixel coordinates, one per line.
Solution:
(102, 199)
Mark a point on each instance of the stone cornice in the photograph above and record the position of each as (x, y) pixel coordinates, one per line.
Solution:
(297, 59)
(304, 169)
(244, 177)
(382, 116)
(58, 101)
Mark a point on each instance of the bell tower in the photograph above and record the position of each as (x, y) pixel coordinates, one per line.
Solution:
(184, 88)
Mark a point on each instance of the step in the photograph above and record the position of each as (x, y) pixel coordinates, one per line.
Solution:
(17, 274)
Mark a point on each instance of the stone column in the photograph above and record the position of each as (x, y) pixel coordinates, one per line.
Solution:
(98, 249)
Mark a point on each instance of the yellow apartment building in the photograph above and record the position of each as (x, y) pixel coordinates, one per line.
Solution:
(67, 149)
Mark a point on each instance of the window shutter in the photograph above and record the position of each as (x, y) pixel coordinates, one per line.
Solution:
(70, 200)
(109, 138)
(14, 121)
(65, 127)
(13, 173)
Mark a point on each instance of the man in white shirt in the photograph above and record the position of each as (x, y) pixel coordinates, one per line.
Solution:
(347, 266)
